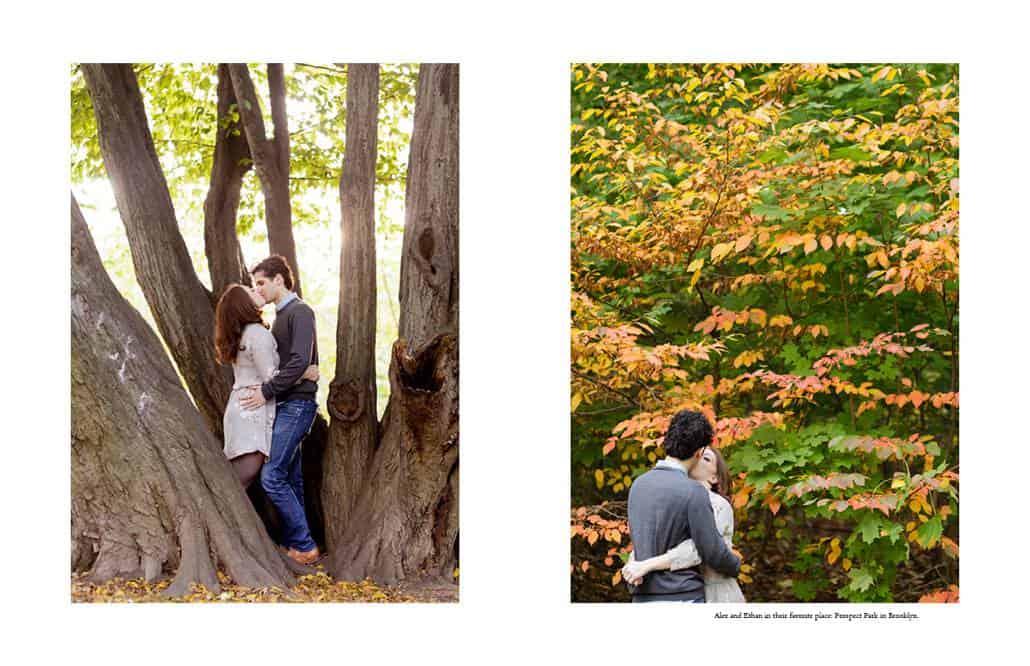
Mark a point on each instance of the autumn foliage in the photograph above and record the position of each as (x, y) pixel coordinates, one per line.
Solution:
(776, 246)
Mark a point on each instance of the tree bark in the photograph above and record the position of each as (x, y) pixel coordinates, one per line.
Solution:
(231, 163)
(409, 499)
(179, 302)
(271, 158)
(151, 490)
(352, 393)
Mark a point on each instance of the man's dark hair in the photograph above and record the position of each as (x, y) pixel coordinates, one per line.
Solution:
(688, 432)
(275, 265)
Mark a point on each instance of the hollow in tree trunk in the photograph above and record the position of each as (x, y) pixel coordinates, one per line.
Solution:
(405, 521)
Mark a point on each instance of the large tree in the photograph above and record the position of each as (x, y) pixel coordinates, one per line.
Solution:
(181, 305)
(150, 486)
(391, 486)
(179, 302)
(398, 500)
(352, 398)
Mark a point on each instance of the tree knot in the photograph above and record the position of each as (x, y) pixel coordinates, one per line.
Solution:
(346, 400)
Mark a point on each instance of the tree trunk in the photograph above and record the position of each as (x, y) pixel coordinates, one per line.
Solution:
(151, 489)
(352, 394)
(272, 164)
(271, 158)
(179, 302)
(408, 505)
(231, 163)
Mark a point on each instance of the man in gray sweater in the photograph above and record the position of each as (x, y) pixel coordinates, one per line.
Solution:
(295, 406)
(667, 507)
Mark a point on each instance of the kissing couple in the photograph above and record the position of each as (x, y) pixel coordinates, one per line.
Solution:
(272, 405)
(681, 522)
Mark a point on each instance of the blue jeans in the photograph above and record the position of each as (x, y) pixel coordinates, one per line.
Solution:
(281, 475)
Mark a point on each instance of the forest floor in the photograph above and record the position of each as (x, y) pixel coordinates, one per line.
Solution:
(318, 587)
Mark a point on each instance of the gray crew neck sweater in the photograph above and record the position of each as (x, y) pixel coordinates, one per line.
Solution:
(666, 507)
(294, 333)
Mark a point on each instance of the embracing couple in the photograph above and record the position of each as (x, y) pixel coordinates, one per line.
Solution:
(681, 522)
(272, 405)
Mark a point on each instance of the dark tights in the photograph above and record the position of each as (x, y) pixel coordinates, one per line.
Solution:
(248, 466)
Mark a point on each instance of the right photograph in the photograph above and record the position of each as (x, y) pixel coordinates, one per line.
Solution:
(764, 332)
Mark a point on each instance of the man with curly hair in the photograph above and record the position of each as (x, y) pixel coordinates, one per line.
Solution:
(667, 507)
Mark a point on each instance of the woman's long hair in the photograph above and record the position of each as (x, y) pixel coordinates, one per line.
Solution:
(234, 311)
(722, 476)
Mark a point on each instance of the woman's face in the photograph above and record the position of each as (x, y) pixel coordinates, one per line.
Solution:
(704, 467)
(255, 296)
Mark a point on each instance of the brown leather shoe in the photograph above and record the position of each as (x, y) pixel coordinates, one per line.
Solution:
(301, 557)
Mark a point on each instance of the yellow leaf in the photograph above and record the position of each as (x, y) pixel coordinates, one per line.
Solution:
(743, 242)
(617, 577)
(720, 251)
(810, 245)
(576, 399)
(835, 551)
(695, 265)
(901, 210)
(846, 564)
(599, 478)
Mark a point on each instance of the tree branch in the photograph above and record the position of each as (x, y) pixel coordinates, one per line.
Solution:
(632, 400)
(250, 115)
(277, 95)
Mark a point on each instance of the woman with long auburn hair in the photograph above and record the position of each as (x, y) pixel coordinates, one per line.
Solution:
(709, 468)
(243, 340)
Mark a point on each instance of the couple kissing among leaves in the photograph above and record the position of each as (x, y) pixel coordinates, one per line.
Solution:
(681, 522)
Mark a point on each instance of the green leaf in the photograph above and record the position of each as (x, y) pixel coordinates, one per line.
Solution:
(929, 533)
(852, 153)
(861, 580)
(869, 528)
(770, 212)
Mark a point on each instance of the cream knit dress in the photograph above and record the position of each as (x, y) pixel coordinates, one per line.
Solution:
(249, 430)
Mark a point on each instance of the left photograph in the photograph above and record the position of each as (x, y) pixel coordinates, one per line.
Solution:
(264, 332)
